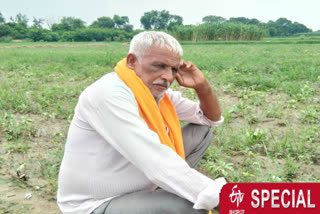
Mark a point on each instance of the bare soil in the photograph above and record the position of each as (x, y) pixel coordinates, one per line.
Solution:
(12, 198)
(13, 188)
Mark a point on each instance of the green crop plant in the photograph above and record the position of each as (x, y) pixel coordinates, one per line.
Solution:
(15, 129)
(310, 115)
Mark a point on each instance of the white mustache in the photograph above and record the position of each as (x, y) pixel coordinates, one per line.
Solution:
(161, 82)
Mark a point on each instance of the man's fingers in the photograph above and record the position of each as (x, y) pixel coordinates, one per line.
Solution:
(186, 65)
(189, 64)
(182, 62)
(179, 78)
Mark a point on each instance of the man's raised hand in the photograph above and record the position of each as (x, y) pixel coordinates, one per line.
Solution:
(190, 76)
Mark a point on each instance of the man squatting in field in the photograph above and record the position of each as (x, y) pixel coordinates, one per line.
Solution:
(125, 150)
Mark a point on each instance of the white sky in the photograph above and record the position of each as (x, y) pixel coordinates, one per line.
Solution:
(192, 11)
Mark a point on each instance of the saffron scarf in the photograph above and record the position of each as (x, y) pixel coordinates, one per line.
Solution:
(156, 118)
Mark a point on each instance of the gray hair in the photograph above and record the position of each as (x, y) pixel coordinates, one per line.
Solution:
(145, 40)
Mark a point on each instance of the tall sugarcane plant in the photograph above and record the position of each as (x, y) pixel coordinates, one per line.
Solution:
(218, 31)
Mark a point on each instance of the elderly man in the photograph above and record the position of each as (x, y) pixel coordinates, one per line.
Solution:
(125, 150)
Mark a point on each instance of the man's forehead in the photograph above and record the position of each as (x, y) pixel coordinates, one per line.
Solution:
(163, 55)
(156, 50)
(174, 62)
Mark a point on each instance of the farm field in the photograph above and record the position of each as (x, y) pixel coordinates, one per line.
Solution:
(269, 93)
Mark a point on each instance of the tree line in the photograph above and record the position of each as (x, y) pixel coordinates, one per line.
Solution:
(282, 27)
(118, 28)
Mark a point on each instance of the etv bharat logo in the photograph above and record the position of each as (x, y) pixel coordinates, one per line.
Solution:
(236, 196)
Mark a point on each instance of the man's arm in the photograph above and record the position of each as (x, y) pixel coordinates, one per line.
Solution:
(191, 77)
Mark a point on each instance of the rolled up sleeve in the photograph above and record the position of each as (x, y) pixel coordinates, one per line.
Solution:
(190, 111)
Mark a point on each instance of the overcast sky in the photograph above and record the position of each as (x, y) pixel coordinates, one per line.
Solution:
(192, 11)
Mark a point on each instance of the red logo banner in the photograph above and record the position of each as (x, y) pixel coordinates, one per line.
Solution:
(266, 198)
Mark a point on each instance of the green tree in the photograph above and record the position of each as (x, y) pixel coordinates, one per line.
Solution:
(20, 19)
(50, 36)
(174, 21)
(122, 23)
(254, 22)
(273, 31)
(127, 27)
(18, 26)
(60, 27)
(242, 20)
(148, 19)
(283, 22)
(213, 19)
(37, 23)
(74, 23)
(68, 24)
(245, 21)
(119, 21)
(103, 22)
(2, 19)
(5, 30)
(159, 20)
(285, 27)
(296, 27)
(16, 30)
(36, 34)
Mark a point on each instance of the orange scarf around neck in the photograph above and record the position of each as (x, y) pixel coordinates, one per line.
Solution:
(155, 117)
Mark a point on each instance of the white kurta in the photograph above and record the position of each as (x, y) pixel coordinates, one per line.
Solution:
(110, 151)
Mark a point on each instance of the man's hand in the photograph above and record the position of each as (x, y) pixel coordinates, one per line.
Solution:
(190, 76)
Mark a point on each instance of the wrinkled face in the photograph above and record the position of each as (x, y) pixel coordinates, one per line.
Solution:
(157, 69)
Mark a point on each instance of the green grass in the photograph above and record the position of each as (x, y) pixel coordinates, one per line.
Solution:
(48, 80)
(269, 93)
(265, 41)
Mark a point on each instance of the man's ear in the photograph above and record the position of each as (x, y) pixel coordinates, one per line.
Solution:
(131, 61)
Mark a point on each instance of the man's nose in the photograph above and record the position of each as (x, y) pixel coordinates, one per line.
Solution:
(168, 74)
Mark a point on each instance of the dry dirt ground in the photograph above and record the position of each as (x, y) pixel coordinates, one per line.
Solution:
(12, 188)
(12, 198)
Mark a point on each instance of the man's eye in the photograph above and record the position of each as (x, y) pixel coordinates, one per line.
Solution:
(175, 69)
(160, 65)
